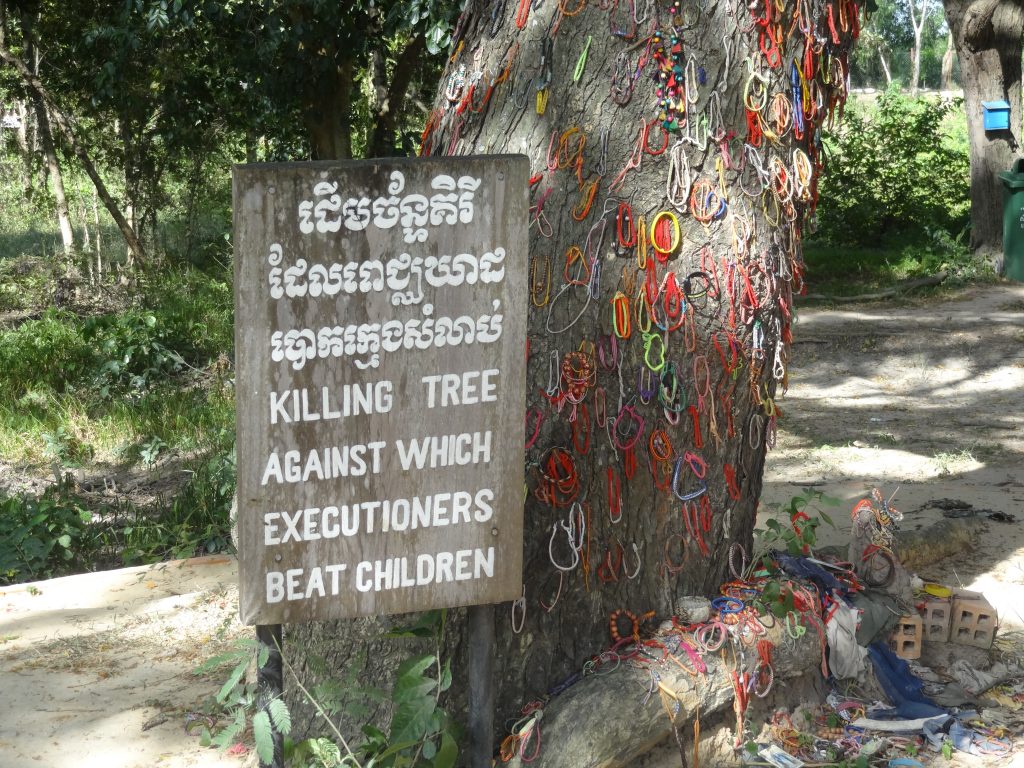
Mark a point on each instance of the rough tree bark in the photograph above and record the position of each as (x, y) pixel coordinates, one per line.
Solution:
(947, 64)
(652, 371)
(988, 36)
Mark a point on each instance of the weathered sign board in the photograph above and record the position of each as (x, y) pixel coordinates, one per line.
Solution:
(380, 337)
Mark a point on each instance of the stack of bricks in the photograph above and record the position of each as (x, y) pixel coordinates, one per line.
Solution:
(905, 640)
(974, 621)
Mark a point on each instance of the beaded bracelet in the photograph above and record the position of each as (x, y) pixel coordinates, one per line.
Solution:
(613, 624)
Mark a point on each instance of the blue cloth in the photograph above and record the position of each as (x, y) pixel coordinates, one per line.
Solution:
(902, 688)
(802, 568)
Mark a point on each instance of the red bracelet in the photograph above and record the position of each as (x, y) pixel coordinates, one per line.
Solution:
(698, 440)
(730, 482)
(625, 226)
(614, 496)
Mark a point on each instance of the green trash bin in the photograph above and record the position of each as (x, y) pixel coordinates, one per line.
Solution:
(1013, 222)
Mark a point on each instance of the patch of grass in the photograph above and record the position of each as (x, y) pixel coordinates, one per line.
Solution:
(845, 270)
(59, 531)
(196, 521)
(112, 430)
(98, 387)
(948, 462)
(24, 283)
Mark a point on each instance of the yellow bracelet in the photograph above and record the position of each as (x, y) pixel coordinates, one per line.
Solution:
(675, 240)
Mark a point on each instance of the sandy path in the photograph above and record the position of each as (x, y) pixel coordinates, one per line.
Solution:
(97, 668)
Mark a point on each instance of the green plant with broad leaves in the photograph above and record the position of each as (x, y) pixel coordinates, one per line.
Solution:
(151, 450)
(40, 537)
(420, 733)
(136, 352)
(798, 538)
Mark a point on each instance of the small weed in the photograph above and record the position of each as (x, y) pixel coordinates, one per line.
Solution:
(64, 448)
(798, 538)
(420, 731)
(151, 450)
(948, 463)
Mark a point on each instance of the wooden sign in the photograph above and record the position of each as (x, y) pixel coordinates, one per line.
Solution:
(381, 338)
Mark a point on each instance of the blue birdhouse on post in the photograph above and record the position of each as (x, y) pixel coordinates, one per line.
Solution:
(996, 115)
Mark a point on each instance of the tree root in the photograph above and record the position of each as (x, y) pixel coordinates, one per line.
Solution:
(896, 290)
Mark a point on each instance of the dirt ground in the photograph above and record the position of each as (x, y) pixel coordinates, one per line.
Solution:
(921, 398)
(97, 669)
(924, 400)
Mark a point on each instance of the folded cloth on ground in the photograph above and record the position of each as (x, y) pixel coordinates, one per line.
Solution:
(902, 688)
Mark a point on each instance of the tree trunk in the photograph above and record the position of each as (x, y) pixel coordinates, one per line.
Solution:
(67, 234)
(885, 68)
(391, 106)
(915, 65)
(652, 370)
(35, 85)
(917, 20)
(99, 239)
(328, 116)
(988, 36)
(24, 146)
(132, 180)
(947, 64)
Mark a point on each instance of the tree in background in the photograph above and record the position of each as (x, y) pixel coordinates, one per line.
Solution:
(898, 40)
(25, 20)
(946, 84)
(919, 12)
(157, 91)
(988, 35)
(344, 70)
(48, 111)
(873, 42)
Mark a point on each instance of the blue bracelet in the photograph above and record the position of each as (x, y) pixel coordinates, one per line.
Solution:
(727, 605)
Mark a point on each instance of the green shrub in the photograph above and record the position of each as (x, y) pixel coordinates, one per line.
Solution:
(41, 537)
(195, 522)
(50, 352)
(196, 309)
(894, 171)
(134, 352)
